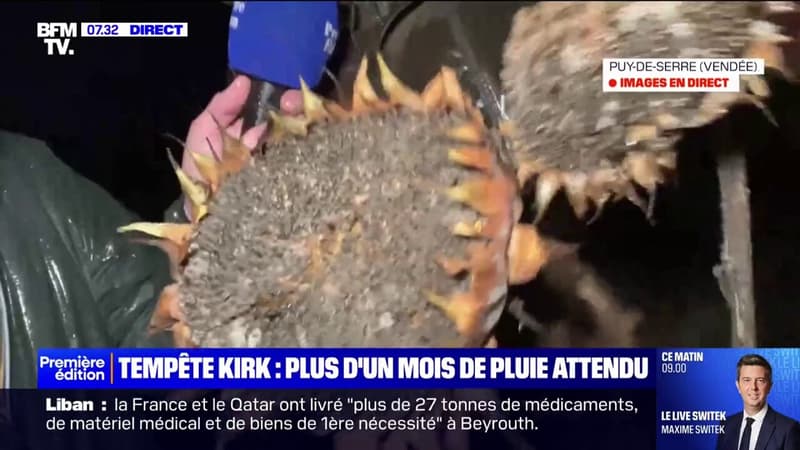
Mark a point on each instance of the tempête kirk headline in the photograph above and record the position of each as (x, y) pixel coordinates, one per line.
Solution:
(189, 367)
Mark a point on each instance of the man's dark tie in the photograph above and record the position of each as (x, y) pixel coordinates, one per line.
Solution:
(745, 443)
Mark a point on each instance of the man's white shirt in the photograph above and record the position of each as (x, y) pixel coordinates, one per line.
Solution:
(755, 429)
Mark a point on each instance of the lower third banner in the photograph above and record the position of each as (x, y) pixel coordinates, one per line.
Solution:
(224, 399)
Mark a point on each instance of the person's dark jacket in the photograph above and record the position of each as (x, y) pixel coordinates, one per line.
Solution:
(778, 432)
(67, 277)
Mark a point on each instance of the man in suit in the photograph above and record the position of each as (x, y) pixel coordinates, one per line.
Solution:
(757, 427)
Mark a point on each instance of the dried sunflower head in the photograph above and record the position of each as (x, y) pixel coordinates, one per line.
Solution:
(389, 224)
(596, 146)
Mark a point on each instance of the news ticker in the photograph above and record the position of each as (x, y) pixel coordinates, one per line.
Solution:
(58, 36)
(682, 397)
(543, 419)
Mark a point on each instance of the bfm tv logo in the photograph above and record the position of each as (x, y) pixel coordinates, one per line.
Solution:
(57, 36)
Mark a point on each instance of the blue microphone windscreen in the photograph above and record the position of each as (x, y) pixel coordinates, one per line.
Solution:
(279, 42)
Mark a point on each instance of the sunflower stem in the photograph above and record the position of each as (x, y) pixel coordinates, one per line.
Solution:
(735, 270)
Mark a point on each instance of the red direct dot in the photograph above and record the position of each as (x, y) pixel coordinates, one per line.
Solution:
(612, 82)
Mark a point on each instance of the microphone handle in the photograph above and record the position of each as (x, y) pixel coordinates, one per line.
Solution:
(263, 96)
(256, 110)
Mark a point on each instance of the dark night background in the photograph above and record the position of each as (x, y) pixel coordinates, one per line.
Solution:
(104, 109)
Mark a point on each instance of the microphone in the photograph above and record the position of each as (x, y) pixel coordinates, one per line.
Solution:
(276, 43)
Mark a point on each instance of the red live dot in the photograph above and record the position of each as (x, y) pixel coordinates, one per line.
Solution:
(612, 82)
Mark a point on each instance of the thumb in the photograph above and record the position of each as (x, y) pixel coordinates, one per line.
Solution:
(292, 102)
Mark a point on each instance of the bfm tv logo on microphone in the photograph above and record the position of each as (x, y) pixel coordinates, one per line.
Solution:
(57, 36)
